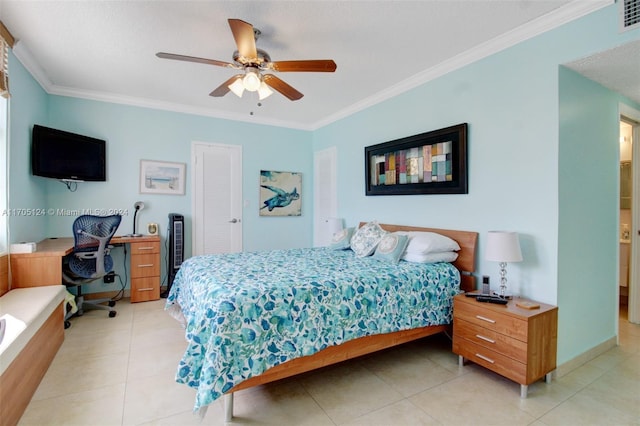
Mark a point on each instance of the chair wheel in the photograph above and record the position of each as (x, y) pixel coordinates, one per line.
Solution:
(112, 303)
(67, 324)
(112, 314)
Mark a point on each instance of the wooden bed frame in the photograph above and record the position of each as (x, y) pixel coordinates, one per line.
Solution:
(466, 264)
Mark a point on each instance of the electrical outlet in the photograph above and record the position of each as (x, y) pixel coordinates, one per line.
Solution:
(109, 278)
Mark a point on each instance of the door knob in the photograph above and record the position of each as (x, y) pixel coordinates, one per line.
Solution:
(233, 220)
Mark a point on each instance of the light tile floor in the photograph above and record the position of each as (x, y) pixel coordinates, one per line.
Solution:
(119, 371)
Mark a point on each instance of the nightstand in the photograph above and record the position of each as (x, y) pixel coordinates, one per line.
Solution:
(519, 344)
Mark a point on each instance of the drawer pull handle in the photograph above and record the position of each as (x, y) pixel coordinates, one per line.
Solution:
(146, 265)
(145, 289)
(485, 358)
(480, 317)
(145, 248)
(486, 339)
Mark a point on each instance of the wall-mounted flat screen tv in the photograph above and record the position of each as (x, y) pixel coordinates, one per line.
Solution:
(68, 156)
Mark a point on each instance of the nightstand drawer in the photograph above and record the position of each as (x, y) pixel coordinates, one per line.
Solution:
(505, 345)
(499, 322)
(492, 360)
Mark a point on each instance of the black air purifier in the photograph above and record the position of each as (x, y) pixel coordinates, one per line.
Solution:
(175, 233)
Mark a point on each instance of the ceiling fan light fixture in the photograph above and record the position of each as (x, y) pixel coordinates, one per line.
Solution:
(254, 61)
(237, 87)
(264, 91)
(251, 80)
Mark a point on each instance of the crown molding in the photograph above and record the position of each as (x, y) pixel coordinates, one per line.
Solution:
(27, 60)
(557, 18)
(171, 106)
(565, 14)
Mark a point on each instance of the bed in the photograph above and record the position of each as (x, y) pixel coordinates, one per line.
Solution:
(255, 317)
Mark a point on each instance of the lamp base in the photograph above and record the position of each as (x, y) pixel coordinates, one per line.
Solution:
(506, 296)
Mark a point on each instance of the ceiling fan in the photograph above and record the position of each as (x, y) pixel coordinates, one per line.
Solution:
(254, 62)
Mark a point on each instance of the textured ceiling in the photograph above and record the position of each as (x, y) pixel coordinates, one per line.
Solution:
(105, 50)
(617, 69)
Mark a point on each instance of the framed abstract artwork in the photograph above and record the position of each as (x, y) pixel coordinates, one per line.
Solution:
(162, 177)
(280, 193)
(429, 163)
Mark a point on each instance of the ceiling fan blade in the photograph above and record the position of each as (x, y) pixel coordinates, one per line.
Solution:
(223, 89)
(318, 65)
(245, 39)
(282, 87)
(164, 55)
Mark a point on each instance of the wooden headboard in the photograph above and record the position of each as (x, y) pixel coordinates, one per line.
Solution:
(468, 242)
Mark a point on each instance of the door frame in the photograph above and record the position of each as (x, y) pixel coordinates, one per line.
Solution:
(194, 190)
(627, 113)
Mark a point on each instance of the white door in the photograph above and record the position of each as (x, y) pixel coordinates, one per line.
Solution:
(217, 198)
(325, 195)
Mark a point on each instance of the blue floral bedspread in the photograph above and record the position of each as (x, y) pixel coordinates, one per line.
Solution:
(247, 312)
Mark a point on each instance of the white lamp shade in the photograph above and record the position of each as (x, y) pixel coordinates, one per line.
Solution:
(503, 246)
(264, 91)
(334, 224)
(251, 80)
(237, 87)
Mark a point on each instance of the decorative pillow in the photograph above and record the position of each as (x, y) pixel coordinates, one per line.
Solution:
(366, 238)
(429, 242)
(445, 256)
(391, 247)
(342, 239)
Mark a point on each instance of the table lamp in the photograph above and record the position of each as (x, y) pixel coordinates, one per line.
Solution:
(139, 205)
(334, 224)
(503, 247)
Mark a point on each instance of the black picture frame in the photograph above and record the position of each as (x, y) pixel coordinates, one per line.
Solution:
(444, 172)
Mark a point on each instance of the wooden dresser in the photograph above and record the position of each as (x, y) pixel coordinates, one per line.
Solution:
(517, 343)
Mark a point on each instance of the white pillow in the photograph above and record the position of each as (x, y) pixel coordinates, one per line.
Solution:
(428, 242)
(366, 239)
(445, 256)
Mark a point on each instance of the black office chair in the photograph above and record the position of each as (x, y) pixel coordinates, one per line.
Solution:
(90, 259)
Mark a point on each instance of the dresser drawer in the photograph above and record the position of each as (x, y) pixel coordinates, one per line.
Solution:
(490, 339)
(145, 247)
(145, 265)
(490, 319)
(492, 360)
(145, 289)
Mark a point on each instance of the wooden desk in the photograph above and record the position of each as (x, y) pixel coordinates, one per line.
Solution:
(44, 266)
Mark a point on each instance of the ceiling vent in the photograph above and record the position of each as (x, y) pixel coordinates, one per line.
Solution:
(629, 14)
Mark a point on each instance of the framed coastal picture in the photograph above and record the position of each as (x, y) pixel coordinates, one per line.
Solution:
(280, 193)
(429, 163)
(162, 177)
